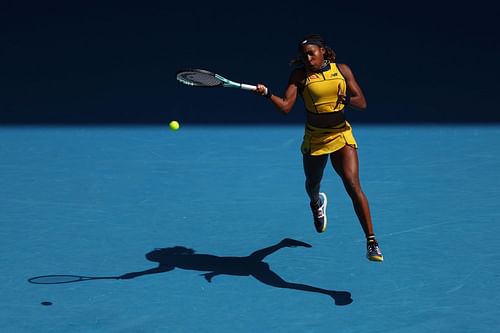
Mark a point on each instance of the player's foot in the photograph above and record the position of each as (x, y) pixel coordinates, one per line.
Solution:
(319, 213)
(373, 252)
(341, 297)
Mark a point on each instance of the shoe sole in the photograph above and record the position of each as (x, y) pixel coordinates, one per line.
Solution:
(375, 258)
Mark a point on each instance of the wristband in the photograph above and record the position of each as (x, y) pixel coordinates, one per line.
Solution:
(268, 93)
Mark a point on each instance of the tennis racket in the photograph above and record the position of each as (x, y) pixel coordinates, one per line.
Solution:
(204, 78)
(59, 279)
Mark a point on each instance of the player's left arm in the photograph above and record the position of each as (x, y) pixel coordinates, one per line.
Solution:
(357, 98)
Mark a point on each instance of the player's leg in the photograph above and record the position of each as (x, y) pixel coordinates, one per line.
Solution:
(346, 164)
(313, 170)
(270, 278)
(259, 255)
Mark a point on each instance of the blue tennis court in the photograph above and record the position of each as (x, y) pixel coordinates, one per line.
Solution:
(94, 201)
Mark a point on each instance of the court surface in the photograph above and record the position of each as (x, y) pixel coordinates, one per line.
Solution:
(95, 200)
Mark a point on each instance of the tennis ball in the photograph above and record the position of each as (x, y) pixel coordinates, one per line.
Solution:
(174, 125)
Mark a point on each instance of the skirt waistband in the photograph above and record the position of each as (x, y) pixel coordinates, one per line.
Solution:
(321, 130)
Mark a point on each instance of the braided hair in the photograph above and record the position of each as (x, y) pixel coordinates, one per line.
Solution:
(315, 39)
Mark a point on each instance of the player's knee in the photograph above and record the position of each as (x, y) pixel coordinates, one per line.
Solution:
(352, 186)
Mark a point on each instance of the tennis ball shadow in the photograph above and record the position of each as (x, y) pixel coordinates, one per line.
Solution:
(253, 265)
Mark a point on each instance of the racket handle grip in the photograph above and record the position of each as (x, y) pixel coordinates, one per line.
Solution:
(248, 87)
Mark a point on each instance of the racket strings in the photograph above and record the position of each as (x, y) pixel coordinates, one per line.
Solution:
(198, 79)
(55, 279)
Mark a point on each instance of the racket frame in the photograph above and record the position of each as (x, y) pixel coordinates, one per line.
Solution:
(70, 278)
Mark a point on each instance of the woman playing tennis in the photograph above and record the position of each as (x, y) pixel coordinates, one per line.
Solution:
(327, 88)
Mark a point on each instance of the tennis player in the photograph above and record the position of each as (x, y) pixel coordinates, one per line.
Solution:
(327, 88)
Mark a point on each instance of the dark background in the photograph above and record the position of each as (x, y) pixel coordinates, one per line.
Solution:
(114, 63)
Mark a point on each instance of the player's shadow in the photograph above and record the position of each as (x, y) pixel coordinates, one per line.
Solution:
(181, 257)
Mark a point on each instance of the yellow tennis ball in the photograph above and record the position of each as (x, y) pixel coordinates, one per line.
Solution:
(174, 125)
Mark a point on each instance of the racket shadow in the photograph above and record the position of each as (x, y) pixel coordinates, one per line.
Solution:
(253, 265)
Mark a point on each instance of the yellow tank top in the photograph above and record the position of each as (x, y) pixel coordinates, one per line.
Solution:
(321, 90)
